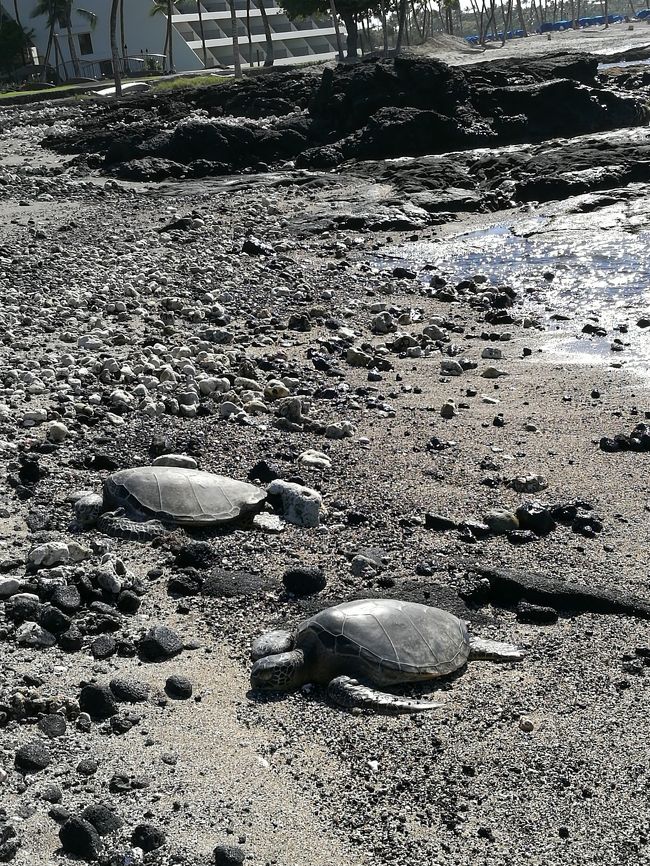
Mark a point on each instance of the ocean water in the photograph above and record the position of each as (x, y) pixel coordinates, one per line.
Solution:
(600, 274)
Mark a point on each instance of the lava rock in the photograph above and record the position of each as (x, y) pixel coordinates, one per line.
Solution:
(97, 701)
(80, 838)
(228, 855)
(129, 690)
(178, 687)
(536, 613)
(104, 819)
(53, 725)
(159, 643)
(148, 837)
(304, 580)
(32, 758)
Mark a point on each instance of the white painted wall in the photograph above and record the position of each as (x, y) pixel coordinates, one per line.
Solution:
(143, 33)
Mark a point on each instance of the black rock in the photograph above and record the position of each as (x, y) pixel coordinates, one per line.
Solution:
(178, 687)
(103, 647)
(160, 643)
(80, 838)
(32, 758)
(66, 598)
(51, 794)
(230, 584)
(71, 641)
(264, 472)
(228, 855)
(129, 690)
(536, 613)
(54, 620)
(103, 818)
(148, 837)
(304, 580)
(128, 602)
(9, 849)
(439, 522)
(184, 585)
(97, 701)
(198, 554)
(536, 517)
(255, 247)
(521, 536)
(53, 725)
(87, 767)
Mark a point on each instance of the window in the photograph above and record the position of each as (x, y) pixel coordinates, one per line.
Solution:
(85, 43)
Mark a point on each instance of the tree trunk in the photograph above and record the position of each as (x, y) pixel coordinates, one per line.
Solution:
(17, 14)
(248, 32)
(401, 18)
(235, 39)
(270, 52)
(337, 30)
(122, 34)
(520, 15)
(170, 35)
(48, 50)
(384, 28)
(115, 57)
(606, 5)
(350, 21)
(72, 48)
(415, 21)
(203, 48)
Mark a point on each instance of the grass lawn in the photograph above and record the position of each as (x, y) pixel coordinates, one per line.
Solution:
(188, 81)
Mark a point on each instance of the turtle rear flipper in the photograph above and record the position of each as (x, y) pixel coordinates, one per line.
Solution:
(347, 692)
(113, 523)
(494, 650)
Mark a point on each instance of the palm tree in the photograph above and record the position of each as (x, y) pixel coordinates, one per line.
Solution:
(200, 14)
(51, 9)
(17, 14)
(65, 20)
(337, 30)
(115, 56)
(170, 35)
(248, 31)
(165, 7)
(269, 59)
(235, 39)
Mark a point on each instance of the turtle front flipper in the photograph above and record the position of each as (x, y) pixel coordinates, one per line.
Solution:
(347, 692)
(113, 523)
(494, 650)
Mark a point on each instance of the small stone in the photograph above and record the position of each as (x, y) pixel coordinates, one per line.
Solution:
(448, 410)
(439, 522)
(493, 373)
(103, 818)
(87, 767)
(80, 838)
(178, 687)
(500, 521)
(300, 505)
(183, 461)
(526, 724)
(129, 690)
(53, 725)
(47, 555)
(160, 643)
(315, 459)
(268, 522)
(103, 647)
(97, 701)
(228, 855)
(536, 613)
(34, 635)
(449, 367)
(304, 580)
(57, 432)
(147, 837)
(32, 758)
(9, 586)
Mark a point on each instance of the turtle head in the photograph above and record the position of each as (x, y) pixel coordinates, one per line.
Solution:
(281, 672)
(88, 508)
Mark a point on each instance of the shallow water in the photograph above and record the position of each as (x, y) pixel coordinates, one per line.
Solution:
(598, 273)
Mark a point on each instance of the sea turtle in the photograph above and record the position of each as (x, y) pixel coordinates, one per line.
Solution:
(354, 647)
(141, 503)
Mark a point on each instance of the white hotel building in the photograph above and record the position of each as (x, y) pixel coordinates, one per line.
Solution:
(144, 36)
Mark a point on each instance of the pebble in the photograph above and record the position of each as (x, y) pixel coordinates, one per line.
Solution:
(228, 855)
(500, 521)
(79, 838)
(178, 687)
(57, 432)
(182, 461)
(160, 643)
(493, 373)
(129, 690)
(304, 580)
(147, 837)
(98, 701)
(315, 459)
(32, 758)
(300, 505)
(50, 554)
(448, 410)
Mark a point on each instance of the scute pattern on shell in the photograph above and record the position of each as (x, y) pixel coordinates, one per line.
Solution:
(404, 637)
(182, 496)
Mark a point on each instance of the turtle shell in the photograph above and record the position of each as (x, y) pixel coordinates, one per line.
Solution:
(187, 497)
(383, 641)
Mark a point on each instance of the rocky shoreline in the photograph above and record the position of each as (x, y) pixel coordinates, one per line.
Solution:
(245, 322)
